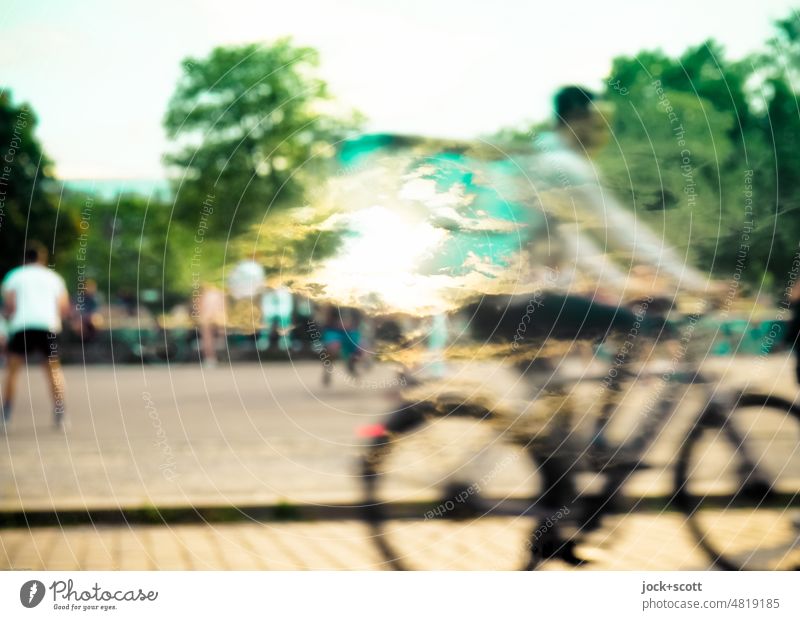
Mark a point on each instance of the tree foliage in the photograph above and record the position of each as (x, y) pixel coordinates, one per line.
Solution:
(29, 208)
(250, 126)
(726, 192)
(705, 150)
(128, 246)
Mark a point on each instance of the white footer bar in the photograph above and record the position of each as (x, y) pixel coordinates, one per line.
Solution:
(385, 596)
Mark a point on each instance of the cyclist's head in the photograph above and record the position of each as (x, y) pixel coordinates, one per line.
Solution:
(579, 117)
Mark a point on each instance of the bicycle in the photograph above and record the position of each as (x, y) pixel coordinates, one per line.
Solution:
(736, 475)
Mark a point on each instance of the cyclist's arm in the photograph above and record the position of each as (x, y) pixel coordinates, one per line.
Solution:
(574, 195)
(627, 234)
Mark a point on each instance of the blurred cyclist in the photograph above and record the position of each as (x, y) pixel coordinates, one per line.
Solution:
(596, 258)
(592, 224)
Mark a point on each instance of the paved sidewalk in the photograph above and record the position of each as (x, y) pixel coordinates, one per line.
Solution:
(240, 435)
(634, 542)
(245, 434)
(264, 435)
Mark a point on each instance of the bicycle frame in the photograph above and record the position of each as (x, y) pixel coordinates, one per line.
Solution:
(615, 463)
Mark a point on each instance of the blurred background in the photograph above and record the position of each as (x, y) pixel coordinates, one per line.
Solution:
(126, 131)
(165, 153)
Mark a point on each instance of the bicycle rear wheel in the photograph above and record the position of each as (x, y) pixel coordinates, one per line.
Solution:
(738, 480)
(450, 492)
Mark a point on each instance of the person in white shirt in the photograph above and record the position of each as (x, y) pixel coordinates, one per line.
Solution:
(34, 301)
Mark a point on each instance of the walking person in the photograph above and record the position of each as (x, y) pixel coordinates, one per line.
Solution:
(210, 314)
(341, 339)
(793, 326)
(277, 306)
(34, 301)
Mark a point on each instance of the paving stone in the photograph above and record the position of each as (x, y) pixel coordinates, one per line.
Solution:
(631, 542)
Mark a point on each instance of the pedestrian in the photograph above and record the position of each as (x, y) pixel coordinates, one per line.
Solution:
(793, 326)
(341, 339)
(277, 306)
(210, 313)
(86, 316)
(34, 300)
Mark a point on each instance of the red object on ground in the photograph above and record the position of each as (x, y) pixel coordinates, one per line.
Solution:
(371, 431)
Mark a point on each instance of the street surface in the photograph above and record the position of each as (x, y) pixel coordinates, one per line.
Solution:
(264, 435)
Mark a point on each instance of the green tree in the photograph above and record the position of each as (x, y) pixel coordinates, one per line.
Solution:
(678, 149)
(28, 209)
(250, 128)
(128, 246)
(775, 74)
(674, 154)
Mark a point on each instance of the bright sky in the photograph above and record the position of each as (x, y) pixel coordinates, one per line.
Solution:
(99, 74)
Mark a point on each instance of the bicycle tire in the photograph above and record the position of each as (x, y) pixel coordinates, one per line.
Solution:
(399, 529)
(740, 515)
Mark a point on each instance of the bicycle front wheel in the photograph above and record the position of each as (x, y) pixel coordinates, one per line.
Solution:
(738, 480)
(450, 492)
